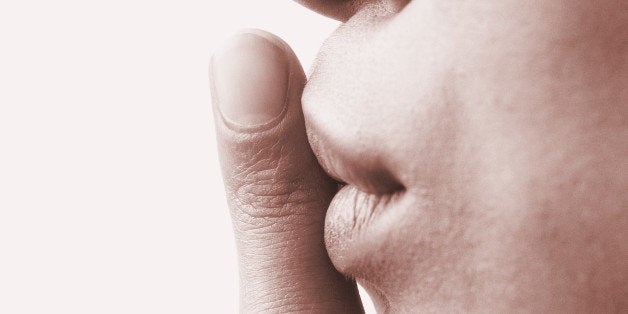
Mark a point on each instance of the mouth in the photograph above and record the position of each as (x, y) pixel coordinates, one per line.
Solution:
(369, 204)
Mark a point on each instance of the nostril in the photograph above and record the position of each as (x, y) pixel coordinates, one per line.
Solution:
(343, 10)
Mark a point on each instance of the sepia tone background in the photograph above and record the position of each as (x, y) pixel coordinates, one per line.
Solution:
(110, 195)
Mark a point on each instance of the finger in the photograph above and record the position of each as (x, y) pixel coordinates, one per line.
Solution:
(277, 192)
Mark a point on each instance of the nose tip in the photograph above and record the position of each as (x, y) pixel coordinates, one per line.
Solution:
(343, 10)
(340, 10)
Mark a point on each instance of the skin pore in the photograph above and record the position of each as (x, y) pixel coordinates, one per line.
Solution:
(482, 147)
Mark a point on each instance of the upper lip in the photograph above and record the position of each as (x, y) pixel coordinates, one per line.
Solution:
(366, 172)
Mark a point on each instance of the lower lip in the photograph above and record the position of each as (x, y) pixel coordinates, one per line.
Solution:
(358, 208)
(352, 209)
(359, 224)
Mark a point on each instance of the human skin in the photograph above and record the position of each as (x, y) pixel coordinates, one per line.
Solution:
(484, 148)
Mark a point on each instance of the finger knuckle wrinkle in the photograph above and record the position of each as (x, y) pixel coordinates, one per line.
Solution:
(268, 199)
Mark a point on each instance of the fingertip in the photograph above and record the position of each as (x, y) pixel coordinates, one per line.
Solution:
(257, 84)
(250, 79)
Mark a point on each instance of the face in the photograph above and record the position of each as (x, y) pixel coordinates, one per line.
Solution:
(483, 148)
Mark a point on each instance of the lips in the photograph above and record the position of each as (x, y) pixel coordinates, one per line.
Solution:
(354, 133)
(368, 205)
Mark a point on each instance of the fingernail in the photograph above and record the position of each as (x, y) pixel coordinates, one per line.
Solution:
(250, 78)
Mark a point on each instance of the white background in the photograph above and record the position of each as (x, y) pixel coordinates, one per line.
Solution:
(110, 195)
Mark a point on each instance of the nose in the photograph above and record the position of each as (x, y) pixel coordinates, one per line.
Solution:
(343, 10)
(340, 10)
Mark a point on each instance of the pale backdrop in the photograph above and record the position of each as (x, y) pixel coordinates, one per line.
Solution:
(110, 195)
